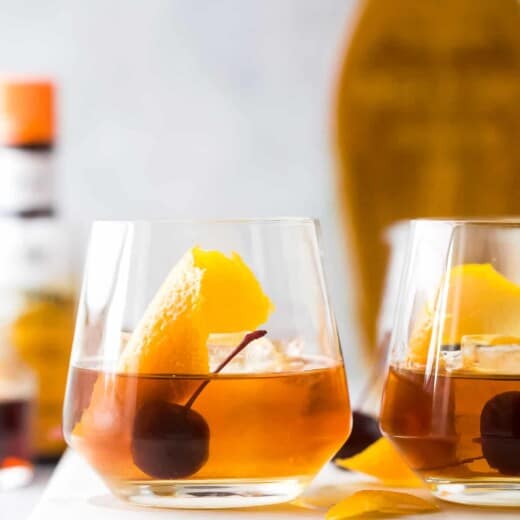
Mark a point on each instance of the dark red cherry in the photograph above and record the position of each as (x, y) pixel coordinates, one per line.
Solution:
(169, 440)
(365, 431)
(500, 432)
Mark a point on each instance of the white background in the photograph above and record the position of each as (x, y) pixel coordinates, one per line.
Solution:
(193, 108)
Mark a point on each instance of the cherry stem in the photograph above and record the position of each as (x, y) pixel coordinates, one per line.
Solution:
(248, 338)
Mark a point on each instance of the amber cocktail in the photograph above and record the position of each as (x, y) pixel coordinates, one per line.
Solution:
(193, 407)
(451, 403)
(262, 428)
(467, 430)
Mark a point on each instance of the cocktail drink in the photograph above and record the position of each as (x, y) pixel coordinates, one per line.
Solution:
(479, 442)
(265, 426)
(192, 387)
(452, 398)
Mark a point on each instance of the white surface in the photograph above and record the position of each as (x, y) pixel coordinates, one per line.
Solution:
(18, 504)
(75, 490)
(172, 108)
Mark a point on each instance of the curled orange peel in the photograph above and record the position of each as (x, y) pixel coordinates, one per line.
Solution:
(474, 300)
(382, 461)
(371, 502)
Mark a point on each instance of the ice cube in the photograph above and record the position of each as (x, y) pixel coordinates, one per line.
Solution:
(491, 353)
(261, 355)
(452, 357)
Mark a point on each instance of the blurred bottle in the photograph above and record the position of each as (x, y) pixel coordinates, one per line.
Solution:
(27, 141)
(17, 397)
(427, 123)
(37, 299)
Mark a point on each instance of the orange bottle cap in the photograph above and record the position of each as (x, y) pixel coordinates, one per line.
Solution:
(26, 111)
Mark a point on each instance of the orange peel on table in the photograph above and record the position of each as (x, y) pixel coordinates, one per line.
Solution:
(382, 461)
(478, 301)
(370, 502)
(205, 292)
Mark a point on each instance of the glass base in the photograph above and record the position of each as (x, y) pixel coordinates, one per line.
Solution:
(478, 493)
(210, 494)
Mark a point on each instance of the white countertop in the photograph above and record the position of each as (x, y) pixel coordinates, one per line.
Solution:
(76, 489)
(17, 504)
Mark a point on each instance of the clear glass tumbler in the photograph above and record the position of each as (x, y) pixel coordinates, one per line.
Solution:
(174, 397)
(451, 403)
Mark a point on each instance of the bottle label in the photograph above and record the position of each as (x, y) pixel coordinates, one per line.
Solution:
(26, 180)
(35, 255)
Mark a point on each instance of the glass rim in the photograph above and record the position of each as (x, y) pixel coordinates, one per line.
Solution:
(285, 220)
(499, 220)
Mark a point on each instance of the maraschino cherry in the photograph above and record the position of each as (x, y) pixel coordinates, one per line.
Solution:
(500, 432)
(171, 440)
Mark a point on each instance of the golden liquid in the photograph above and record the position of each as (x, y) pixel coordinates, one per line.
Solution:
(435, 423)
(42, 336)
(261, 426)
(426, 122)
